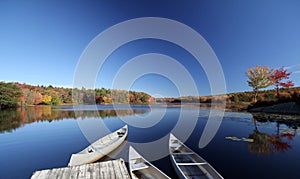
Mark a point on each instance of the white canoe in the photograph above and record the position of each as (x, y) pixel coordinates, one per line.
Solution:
(187, 163)
(100, 148)
(141, 168)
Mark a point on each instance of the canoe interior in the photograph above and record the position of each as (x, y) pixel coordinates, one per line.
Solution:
(190, 163)
(142, 169)
(149, 172)
(198, 171)
(193, 171)
(188, 158)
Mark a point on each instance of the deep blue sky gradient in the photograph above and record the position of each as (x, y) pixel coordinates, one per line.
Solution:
(41, 41)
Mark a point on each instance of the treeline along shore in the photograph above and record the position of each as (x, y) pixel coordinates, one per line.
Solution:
(14, 94)
(264, 96)
(243, 101)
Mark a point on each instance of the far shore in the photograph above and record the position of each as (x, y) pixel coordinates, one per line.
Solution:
(290, 108)
(228, 106)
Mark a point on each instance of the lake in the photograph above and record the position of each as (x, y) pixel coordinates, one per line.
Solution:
(42, 137)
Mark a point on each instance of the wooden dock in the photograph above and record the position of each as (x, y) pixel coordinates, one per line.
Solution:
(113, 169)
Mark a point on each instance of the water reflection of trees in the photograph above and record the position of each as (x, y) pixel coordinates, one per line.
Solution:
(265, 144)
(13, 119)
(9, 120)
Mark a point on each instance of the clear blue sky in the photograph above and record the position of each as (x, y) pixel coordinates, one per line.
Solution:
(41, 41)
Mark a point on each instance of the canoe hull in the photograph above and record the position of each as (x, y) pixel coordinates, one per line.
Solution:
(99, 149)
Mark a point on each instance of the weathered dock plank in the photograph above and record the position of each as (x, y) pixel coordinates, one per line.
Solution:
(114, 169)
(43, 174)
(97, 170)
(65, 173)
(117, 170)
(123, 169)
(81, 172)
(111, 170)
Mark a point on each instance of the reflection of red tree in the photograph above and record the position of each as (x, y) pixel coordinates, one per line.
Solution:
(266, 144)
(288, 136)
(278, 143)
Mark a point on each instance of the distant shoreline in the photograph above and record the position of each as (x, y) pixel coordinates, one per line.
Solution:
(291, 108)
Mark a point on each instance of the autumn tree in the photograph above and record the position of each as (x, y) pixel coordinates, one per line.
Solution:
(259, 77)
(37, 97)
(46, 99)
(277, 78)
(24, 97)
(29, 97)
(10, 95)
(235, 99)
(55, 99)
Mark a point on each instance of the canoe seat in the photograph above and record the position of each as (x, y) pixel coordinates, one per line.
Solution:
(183, 153)
(98, 148)
(106, 142)
(175, 145)
(202, 163)
(139, 166)
(114, 138)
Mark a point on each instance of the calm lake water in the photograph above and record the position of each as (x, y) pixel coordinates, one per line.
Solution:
(39, 138)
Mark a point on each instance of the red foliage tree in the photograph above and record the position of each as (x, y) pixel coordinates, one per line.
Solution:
(277, 76)
(287, 84)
